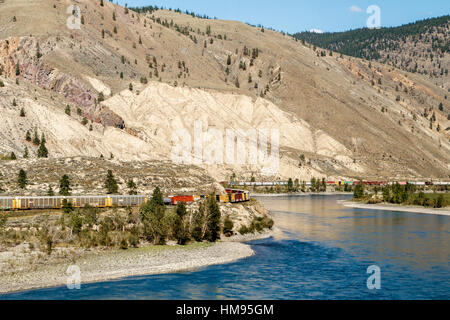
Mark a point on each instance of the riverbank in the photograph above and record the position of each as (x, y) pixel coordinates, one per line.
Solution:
(101, 265)
(397, 208)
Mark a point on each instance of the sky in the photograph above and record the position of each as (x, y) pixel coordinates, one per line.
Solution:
(300, 15)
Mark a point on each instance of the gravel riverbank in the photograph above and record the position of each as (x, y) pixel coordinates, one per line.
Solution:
(97, 266)
(399, 208)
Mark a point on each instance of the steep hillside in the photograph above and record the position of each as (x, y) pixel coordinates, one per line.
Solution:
(138, 77)
(421, 47)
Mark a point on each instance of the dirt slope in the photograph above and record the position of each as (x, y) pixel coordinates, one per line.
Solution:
(348, 117)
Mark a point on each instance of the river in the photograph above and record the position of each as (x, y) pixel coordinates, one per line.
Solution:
(321, 251)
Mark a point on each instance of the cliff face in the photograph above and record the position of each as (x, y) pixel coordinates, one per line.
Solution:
(338, 116)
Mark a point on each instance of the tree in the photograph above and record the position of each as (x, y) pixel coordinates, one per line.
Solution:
(198, 223)
(152, 215)
(36, 140)
(181, 231)
(101, 97)
(130, 87)
(67, 110)
(13, 156)
(229, 60)
(359, 191)
(22, 180)
(111, 183)
(14, 103)
(50, 191)
(28, 136)
(441, 203)
(228, 227)
(290, 185)
(64, 186)
(386, 194)
(131, 187)
(213, 220)
(42, 151)
(17, 69)
(22, 112)
(101, 3)
(25, 153)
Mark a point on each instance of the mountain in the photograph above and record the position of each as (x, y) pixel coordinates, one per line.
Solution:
(130, 80)
(421, 47)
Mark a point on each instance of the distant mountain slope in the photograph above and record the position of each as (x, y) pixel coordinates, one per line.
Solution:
(421, 47)
(127, 72)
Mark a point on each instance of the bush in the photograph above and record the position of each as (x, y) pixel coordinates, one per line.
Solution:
(124, 244)
(243, 230)
(228, 227)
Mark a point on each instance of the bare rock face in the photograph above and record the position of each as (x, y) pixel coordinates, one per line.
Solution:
(24, 58)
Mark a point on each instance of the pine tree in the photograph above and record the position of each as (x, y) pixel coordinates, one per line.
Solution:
(198, 223)
(290, 185)
(101, 3)
(22, 112)
(131, 187)
(42, 151)
(111, 183)
(14, 103)
(130, 87)
(13, 156)
(17, 69)
(25, 153)
(36, 140)
(67, 110)
(180, 231)
(152, 215)
(22, 180)
(64, 186)
(213, 220)
(28, 136)
(50, 191)
(229, 60)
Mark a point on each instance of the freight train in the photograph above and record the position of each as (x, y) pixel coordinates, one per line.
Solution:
(109, 201)
(337, 183)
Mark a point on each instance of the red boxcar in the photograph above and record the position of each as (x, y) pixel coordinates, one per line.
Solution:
(238, 197)
(185, 199)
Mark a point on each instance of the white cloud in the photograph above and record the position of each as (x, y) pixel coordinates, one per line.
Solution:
(316, 31)
(355, 9)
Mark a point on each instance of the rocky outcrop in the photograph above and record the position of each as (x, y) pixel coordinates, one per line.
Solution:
(24, 58)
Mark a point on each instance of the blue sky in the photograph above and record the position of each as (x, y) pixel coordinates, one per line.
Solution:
(300, 15)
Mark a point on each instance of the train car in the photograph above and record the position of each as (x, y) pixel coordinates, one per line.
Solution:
(6, 203)
(185, 199)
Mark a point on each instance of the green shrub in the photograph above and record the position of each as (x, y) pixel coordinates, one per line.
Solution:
(228, 227)
(124, 244)
(243, 230)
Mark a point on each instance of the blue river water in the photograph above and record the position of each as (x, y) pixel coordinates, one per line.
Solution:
(321, 251)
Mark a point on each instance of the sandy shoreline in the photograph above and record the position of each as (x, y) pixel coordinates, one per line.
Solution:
(397, 208)
(111, 265)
